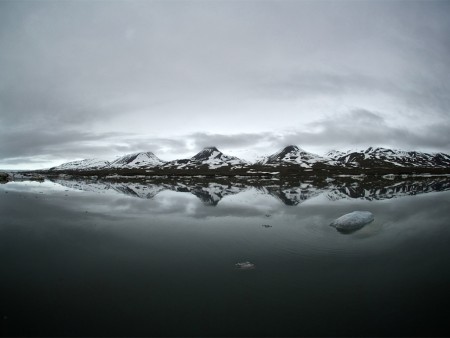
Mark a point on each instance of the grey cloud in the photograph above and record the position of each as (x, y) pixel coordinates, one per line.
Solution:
(26, 142)
(424, 95)
(85, 52)
(241, 140)
(16, 146)
(374, 48)
(159, 146)
(361, 127)
(27, 161)
(72, 70)
(309, 83)
(356, 128)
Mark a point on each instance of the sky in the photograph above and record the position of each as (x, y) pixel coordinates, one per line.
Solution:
(100, 79)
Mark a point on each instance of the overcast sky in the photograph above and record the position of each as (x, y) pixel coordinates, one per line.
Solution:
(83, 79)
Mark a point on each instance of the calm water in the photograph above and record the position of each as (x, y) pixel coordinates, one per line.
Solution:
(90, 258)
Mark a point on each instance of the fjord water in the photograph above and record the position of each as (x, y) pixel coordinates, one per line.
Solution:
(88, 263)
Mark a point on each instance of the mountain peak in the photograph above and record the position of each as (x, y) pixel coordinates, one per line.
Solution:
(209, 156)
(334, 153)
(292, 154)
(291, 147)
(143, 159)
(207, 153)
(211, 148)
(379, 156)
(87, 164)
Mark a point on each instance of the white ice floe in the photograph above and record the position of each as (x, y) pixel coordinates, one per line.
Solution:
(353, 220)
(245, 266)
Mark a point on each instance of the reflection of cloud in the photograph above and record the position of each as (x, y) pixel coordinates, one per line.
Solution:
(400, 220)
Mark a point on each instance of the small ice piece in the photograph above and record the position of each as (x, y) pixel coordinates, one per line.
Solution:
(245, 266)
(352, 221)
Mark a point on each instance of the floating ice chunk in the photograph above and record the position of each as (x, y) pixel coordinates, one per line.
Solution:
(352, 221)
(245, 266)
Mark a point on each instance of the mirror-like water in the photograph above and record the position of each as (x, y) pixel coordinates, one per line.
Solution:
(86, 258)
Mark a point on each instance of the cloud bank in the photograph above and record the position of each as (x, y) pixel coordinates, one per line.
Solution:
(87, 79)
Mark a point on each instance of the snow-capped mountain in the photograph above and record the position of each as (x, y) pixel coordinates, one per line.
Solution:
(137, 160)
(288, 159)
(383, 157)
(293, 155)
(88, 164)
(333, 154)
(129, 161)
(209, 157)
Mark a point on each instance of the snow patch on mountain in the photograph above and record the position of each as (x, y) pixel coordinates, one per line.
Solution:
(293, 155)
(137, 160)
(393, 157)
(210, 157)
(87, 164)
(333, 154)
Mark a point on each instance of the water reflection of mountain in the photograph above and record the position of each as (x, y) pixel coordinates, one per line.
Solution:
(386, 190)
(141, 190)
(290, 193)
(210, 193)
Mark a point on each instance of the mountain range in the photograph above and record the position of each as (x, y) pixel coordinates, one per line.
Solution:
(292, 157)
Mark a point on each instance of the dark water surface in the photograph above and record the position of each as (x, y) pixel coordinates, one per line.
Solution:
(103, 262)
